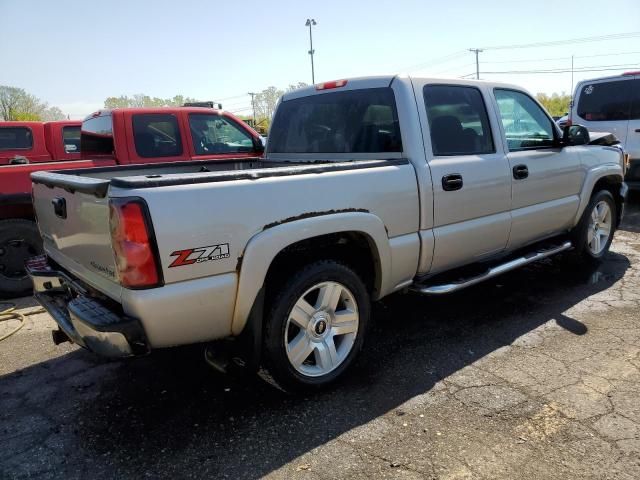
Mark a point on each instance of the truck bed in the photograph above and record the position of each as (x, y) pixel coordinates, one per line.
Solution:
(98, 180)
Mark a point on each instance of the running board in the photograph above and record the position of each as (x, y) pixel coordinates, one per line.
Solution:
(490, 273)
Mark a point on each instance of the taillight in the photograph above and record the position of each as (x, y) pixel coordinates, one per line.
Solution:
(330, 85)
(133, 243)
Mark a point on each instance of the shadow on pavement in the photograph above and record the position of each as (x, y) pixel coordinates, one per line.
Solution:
(169, 415)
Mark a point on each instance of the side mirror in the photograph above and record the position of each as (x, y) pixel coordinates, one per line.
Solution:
(575, 135)
(258, 146)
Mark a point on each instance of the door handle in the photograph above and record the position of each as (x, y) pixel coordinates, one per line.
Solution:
(637, 130)
(452, 182)
(60, 207)
(520, 172)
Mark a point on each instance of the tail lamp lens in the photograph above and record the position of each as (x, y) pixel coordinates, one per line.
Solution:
(131, 239)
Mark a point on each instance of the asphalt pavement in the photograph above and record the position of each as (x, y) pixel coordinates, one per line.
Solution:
(534, 375)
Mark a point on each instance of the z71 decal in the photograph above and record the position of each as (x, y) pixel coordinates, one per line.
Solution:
(200, 254)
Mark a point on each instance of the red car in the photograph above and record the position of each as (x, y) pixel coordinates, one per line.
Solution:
(105, 138)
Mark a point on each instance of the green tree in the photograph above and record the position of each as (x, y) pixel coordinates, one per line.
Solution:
(142, 100)
(556, 104)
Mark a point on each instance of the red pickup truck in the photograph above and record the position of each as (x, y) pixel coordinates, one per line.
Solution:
(106, 138)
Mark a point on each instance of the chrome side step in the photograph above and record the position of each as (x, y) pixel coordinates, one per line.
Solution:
(490, 273)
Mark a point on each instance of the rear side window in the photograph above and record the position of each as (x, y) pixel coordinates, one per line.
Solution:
(71, 139)
(96, 136)
(355, 121)
(605, 101)
(458, 120)
(156, 135)
(15, 138)
(214, 134)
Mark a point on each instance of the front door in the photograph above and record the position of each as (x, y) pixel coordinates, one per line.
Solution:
(471, 179)
(546, 178)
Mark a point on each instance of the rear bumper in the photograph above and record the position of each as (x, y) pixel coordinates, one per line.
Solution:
(86, 320)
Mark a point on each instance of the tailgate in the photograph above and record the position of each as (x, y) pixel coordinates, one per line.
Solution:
(73, 218)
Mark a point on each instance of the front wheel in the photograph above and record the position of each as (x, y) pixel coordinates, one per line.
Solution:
(592, 237)
(316, 325)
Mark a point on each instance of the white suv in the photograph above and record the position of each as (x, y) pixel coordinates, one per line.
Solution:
(612, 104)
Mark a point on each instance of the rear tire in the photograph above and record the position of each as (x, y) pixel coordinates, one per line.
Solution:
(19, 241)
(593, 235)
(315, 326)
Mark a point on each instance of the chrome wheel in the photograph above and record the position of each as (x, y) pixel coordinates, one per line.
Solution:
(321, 329)
(600, 227)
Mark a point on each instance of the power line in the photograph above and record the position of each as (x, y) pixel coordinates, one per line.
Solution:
(561, 58)
(615, 36)
(594, 68)
(434, 61)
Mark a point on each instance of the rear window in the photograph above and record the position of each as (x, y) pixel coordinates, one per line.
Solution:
(96, 136)
(605, 101)
(71, 139)
(15, 138)
(156, 135)
(356, 121)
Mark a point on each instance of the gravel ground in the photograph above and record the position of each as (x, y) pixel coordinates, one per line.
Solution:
(534, 375)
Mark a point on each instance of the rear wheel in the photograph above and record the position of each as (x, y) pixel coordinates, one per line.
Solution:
(19, 241)
(316, 325)
(592, 237)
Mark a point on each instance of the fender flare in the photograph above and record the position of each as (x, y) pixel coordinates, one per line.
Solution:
(592, 177)
(263, 247)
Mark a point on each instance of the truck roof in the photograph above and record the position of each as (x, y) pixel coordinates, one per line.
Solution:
(33, 123)
(134, 110)
(380, 81)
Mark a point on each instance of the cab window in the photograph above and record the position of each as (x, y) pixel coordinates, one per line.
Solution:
(215, 134)
(15, 138)
(458, 120)
(156, 135)
(526, 125)
(71, 139)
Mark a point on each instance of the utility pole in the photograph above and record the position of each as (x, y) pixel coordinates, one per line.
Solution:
(310, 23)
(253, 106)
(571, 91)
(477, 51)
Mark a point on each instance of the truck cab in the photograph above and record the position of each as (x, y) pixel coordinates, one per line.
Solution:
(38, 142)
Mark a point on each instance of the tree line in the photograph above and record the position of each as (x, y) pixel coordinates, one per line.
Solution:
(17, 104)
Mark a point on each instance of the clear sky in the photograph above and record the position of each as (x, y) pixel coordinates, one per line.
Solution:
(74, 54)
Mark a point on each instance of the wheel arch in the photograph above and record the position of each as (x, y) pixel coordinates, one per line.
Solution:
(264, 250)
(604, 177)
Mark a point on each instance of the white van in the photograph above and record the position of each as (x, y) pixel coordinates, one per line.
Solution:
(612, 104)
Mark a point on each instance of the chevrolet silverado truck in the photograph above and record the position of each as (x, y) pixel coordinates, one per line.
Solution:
(108, 137)
(369, 186)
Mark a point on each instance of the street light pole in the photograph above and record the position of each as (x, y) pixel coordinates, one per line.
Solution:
(310, 23)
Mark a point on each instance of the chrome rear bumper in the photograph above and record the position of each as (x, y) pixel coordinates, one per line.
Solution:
(85, 320)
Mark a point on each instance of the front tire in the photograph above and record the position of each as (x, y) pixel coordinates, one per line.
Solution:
(315, 326)
(592, 237)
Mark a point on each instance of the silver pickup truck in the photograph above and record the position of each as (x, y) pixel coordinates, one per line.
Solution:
(369, 186)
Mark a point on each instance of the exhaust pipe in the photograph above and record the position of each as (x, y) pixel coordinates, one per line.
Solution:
(58, 337)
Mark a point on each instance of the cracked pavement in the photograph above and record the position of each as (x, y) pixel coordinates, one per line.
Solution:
(533, 375)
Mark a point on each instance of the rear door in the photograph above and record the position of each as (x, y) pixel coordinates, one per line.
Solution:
(471, 180)
(633, 135)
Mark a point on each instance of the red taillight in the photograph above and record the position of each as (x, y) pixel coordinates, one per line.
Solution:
(330, 85)
(131, 239)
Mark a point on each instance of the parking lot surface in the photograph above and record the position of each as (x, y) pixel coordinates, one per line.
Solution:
(533, 375)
